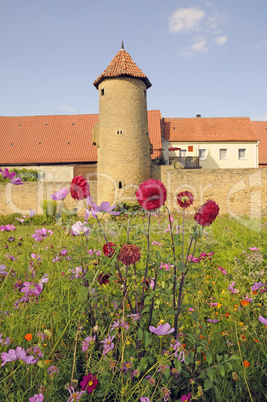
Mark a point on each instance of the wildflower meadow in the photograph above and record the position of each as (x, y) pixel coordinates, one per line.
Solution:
(132, 303)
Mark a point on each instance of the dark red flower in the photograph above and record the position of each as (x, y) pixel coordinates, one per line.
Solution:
(151, 194)
(79, 188)
(185, 199)
(129, 254)
(103, 279)
(207, 213)
(89, 383)
(106, 249)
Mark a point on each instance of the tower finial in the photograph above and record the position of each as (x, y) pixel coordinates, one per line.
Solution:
(122, 45)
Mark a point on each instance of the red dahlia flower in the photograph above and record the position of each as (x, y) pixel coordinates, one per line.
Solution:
(106, 249)
(129, 254)
(151, 194)
(185, 199)
(89, 383)
(79, 188)
(207, 213)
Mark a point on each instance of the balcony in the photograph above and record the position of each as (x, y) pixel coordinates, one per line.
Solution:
(188, 162)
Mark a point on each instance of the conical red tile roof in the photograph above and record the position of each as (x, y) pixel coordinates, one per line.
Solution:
(122, 65)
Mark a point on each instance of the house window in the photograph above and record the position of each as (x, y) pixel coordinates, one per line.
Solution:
(190, 148)
(202, 153)
(223, 154)
(102, 92)
(242, 153)
(182, 153)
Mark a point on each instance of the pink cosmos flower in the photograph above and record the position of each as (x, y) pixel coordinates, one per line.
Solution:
(144, 399)
(253, 248)
(87, 342)
(80, 228)
(60, 195)
(7, 228)
(108, 344)
(231, 287)
(263, 320)
(257, 286)
(32, 213)
(74, 395)
(223, 271)
(37, 398)
(3, 270)
(41, 234)
(19, 353)
(161, 330)
(94, 209)
(212, 321)
(11, 176)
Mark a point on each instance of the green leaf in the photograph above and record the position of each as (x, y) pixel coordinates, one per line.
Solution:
(209, 357)
(139, 334)
(221, 370)
(234, 357)
(147, 339)
(229, 365)
(178, 365)
(143, 364)
(207, 384)
(219, 358)
(210, 373)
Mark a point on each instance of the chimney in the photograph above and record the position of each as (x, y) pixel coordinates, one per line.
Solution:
(198, 115)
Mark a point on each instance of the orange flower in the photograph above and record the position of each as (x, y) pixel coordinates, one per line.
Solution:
(243, 338)
(255, 340)
(244, 302)
(28, 337)
(201, 337)
(246, 364)
(227, 315)
(254, 292)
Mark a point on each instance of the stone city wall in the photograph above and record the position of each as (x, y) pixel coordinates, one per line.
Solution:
(237, 191)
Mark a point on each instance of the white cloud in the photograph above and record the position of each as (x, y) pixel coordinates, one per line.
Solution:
(200, 46)
(263, 43)
(220, 40)
(207, 24)
(67, 108)
(185, 19)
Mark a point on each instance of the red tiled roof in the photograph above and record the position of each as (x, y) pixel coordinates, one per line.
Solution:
(260, 128)
(47, 139)
(122, 65)
(57, 139)
(199, 129)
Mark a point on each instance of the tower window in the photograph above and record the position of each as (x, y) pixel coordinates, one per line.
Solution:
(102, 92)
(119, 132)
(145, 93)
(120, 184)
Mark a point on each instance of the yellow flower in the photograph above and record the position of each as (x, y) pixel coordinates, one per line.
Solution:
(223, 291)
(241, 324)
(219, 305)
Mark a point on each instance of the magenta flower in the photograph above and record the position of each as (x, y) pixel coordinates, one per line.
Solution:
(53, 370)
(263, 320)
(212, 321)
(253, 248)
(161, 330)
(223, 271)
(186, 398)
(37, 398)
(89, 383)
(11, 176)
(207, 213)
(95, 209)
(4, 341)
(144, 399)
(41, 234)
(60, 195)
(32, 213)
(35, 351)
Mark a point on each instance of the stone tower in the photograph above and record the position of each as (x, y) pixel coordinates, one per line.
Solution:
(121, 133)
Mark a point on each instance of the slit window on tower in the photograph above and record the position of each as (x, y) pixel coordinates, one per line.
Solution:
(120, 184)
(119, 132)
(102, 92)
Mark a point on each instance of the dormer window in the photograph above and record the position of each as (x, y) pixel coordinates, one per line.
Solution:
(102, 92)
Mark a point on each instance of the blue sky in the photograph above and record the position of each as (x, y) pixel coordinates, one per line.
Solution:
(202, 57)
